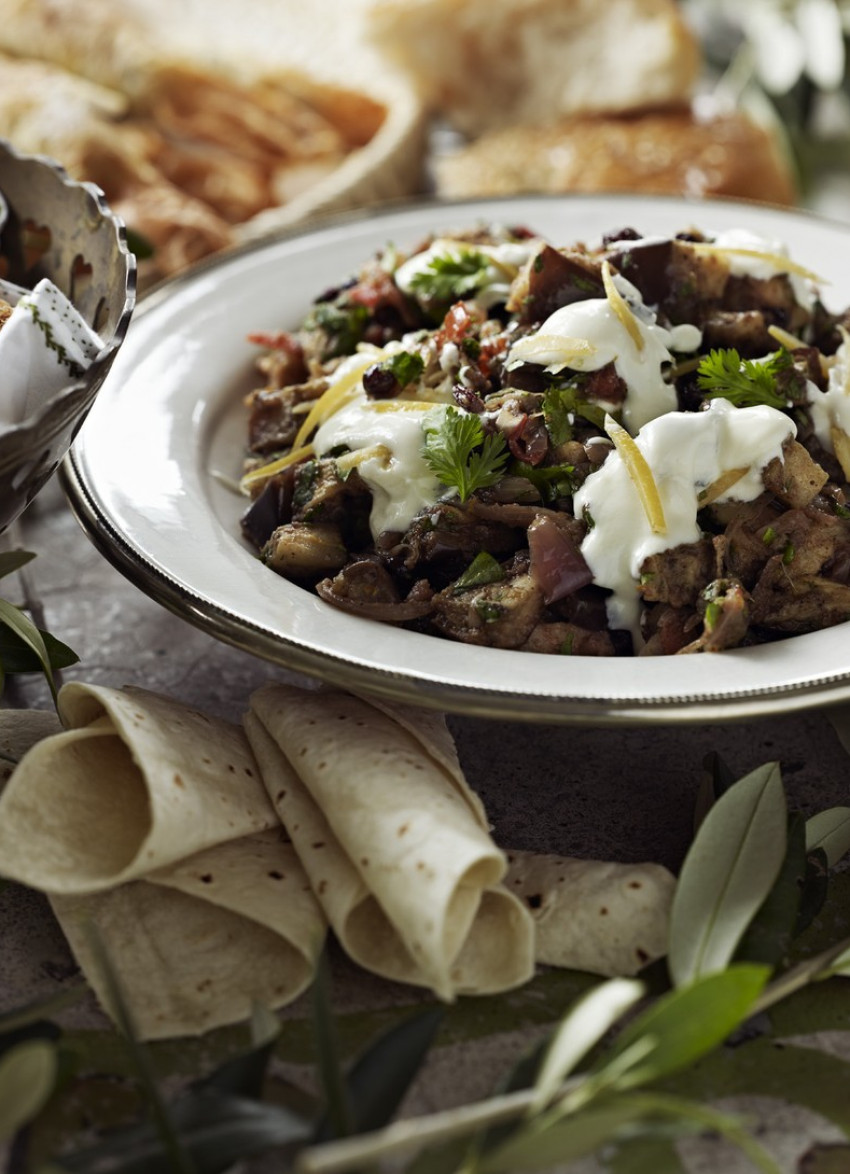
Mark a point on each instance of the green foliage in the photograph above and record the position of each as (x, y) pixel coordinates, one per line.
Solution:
(744, 382)
(458, 452)
(25, 648)
(623, 1068)
(450, 276)
(483, 569)
(561, 404)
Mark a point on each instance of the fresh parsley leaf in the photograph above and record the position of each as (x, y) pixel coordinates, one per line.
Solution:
(482, 570)
(744, 382)
(460, 454)
(450, 276)
(551, 481)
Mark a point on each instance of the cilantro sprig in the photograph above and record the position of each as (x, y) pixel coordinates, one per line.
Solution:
(450, 276)
(461, 455)
(744, 382)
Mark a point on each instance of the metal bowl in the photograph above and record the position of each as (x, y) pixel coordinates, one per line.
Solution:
(58, 228)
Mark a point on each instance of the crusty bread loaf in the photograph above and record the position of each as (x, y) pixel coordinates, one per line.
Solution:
(667, 152)
(484, 63)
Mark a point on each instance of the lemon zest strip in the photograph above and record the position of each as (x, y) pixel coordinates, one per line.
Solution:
(783, 264)
(331, 400)
(641, 474)
(621, 307)
(841, 445)
(720, 485)
(264, 472)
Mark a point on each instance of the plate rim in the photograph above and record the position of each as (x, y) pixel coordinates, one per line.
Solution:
(403, 683)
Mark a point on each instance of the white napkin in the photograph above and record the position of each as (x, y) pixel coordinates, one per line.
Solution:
(45, 345)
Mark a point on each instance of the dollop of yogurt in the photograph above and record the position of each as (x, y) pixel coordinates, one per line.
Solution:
(686, 452)
(758, 258)
(595, 324)
(393, 465)
(831, 408)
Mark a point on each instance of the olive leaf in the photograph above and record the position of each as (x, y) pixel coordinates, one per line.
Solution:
(729, 870)
(830, 830)
(212, 1129)
(243, 1075)
(616, 1119)
(769, 935)
(23, 627)
(685, 1024)
(13, 560)
(27, 1077)
(338, 1120)
(716, 778)
(380, 1077)
(585, 1024)
(18, 656)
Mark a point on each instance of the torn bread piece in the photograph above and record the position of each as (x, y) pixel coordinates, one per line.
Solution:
(485, 63)
(659, 152)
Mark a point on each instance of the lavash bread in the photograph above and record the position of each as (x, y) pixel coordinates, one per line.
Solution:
(489, 63)
(599, 916)
(660, 152)
(207, 864)
(194, 946)
(393, 840)
(135, 782)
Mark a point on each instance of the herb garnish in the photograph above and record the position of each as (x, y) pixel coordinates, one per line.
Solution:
(744, 382)
(561, 404)
(343, 326)
(450, 276)
(460, 454)
(552, 482)
(406, 366)
(482, 570)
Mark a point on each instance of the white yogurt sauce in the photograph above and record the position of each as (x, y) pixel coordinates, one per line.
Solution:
(686, 452)
(506, 260)
(762, 268)
(832, 407)
(402, 485)
(596, 323)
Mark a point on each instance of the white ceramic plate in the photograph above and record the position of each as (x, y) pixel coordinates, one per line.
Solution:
(142, 479)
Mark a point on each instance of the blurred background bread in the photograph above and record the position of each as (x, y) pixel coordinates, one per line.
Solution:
(576, 95)
(487, 63)
(207, 123)
(677, 151)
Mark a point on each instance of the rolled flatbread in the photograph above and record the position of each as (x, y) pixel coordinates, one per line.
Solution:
(393, 841)
(605, 918)
(136, 782)
(195, 944)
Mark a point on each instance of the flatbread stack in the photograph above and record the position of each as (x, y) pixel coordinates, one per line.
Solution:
(208, 860)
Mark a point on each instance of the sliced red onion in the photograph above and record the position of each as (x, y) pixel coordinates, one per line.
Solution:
(557, 565)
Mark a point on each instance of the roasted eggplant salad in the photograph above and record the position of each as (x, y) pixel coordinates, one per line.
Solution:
(636, 447)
